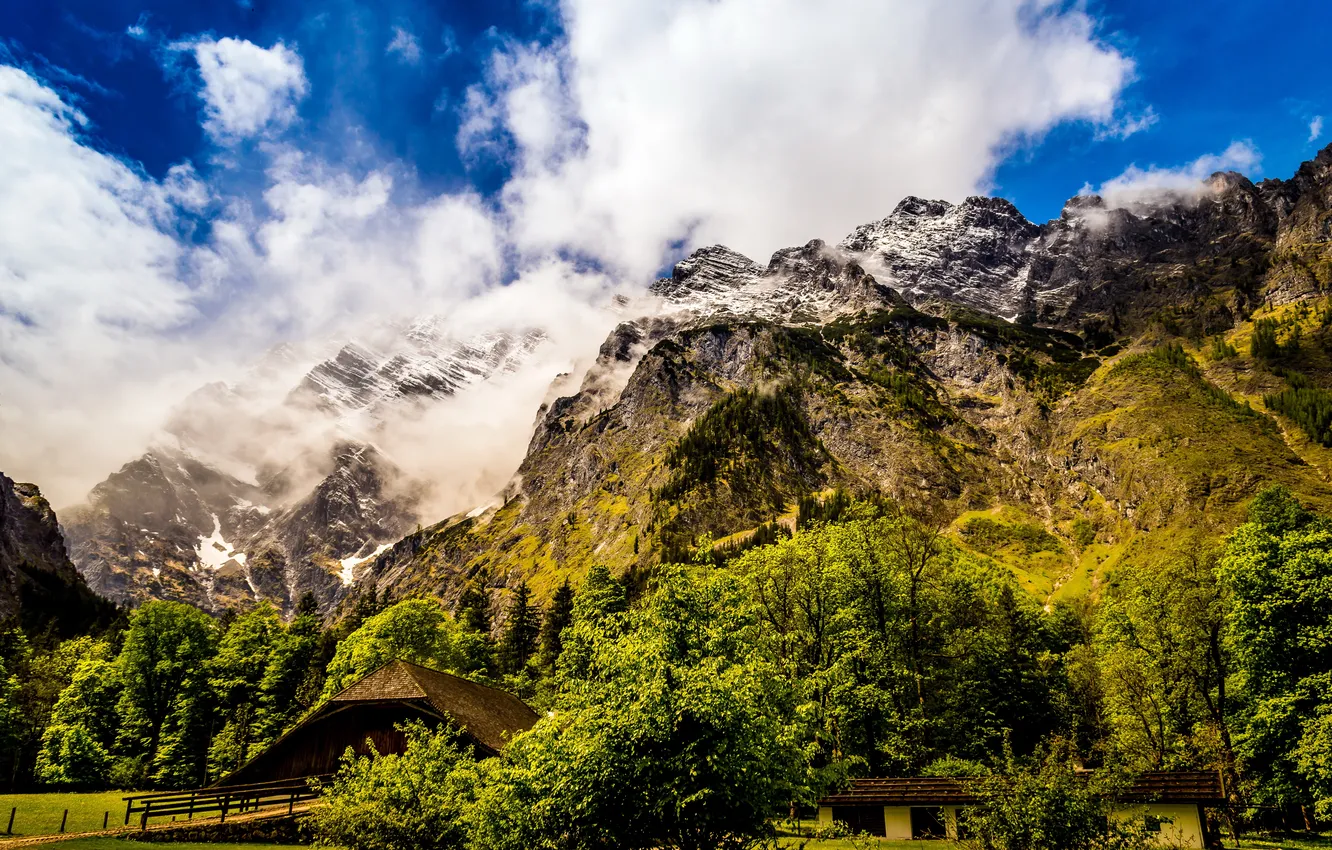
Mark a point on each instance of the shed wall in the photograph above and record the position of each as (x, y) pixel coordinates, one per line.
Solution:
(316, 748)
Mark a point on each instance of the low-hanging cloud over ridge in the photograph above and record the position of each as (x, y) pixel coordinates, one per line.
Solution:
(646, 126)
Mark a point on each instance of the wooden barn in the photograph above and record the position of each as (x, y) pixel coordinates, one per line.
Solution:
(1170, 804)
(370, 709)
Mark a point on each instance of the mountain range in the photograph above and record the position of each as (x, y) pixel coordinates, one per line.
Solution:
(1078, 394)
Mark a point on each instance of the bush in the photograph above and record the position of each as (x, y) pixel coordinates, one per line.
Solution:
(420, 799)
(1045, 805)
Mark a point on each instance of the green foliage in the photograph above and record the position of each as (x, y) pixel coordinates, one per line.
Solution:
(813, 509)
(163, 674)
(912, 393)
(415, 630)
(236, 676)
(522, 628)
(601, 601)
(899, 649)
(1278, 570)
(740, 439)
(1263, 344)
(294, 674)
(1172, 357)
(1042, 804)
(1166, 675)
(989, 536)
(559, 615)
(670, 736)
(1309, 407)
(1219, 349)
(1084, 532)
(417, 799)
(474, 608)
(77, 744)
(803, 352)
(736, 466)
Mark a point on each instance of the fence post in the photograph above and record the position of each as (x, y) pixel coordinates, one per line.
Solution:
(143, 821)
(63, 819)
(291, 804)
(106, 818)
(191, 814)
(12, 812)
(225, 800)
(129, 804)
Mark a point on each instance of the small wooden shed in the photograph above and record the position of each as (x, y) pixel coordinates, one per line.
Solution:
(368, 712)
(1170, 803)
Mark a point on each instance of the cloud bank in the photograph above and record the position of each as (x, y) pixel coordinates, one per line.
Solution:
(646, 129)
(1154, 185)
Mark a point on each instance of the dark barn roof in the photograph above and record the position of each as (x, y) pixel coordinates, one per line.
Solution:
(488, 715)
(369, 713)
(1157, 786)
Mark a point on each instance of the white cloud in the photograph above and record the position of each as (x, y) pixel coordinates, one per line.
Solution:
(762, 123)
(1128, 125)
(248, 90)
(139, 29)
(1154, 185)
(110, 315)
(90, 296)
(405, 46)
(1315, 128)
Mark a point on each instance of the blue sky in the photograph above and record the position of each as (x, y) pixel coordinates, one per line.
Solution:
(185, 184)
(1243, 70)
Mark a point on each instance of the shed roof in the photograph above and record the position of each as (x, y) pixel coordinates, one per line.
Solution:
(1156, 786)
(489, 715)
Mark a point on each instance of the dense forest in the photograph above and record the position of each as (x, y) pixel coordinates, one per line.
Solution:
(726, 691)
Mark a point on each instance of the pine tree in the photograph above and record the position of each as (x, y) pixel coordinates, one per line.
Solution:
(522, 626)
(474, 609)
(558, 617)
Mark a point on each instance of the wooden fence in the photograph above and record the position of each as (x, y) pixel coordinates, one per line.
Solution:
(237, 799)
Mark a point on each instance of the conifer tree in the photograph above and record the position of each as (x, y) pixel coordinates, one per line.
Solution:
(558, 616)
(522, 626)
(474, 609)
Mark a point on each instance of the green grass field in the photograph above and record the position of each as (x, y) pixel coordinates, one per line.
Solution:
(39, 814)
(882, 844)
(1323, 843)
(857, 844)
(122, 844)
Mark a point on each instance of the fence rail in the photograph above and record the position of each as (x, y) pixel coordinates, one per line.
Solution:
(237, 799)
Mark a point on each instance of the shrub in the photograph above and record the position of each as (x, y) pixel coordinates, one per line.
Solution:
(1045, 805)
(420, 799)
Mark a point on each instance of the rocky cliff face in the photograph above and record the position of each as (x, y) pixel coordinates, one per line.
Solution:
(1018, 377)
(39, 587)
(272, 487)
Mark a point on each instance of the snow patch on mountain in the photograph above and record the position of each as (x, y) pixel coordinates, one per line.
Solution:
(349, 565)
(214, 552)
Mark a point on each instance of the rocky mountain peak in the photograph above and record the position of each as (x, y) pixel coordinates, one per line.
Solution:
(38, 584)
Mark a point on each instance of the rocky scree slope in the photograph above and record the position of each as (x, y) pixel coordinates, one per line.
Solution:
(1078, 435)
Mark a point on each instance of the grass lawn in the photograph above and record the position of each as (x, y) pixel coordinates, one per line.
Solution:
(122, 844)
(883, 844)
(861, 844)
(39, 814)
